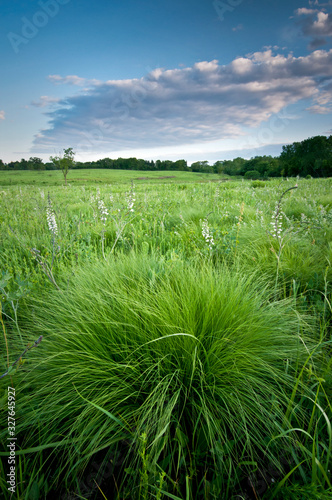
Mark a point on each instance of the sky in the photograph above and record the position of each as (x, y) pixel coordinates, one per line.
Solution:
(155, 79)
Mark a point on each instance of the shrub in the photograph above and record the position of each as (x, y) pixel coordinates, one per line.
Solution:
(258, 184)
(252, 174)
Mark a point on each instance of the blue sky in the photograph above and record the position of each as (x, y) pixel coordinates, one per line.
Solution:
(198, 79)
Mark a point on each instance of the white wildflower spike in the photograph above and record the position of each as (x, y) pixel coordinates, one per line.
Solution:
(217, 194)
(50, 216)
(103, 211)
(206, 233)
(276, 223)
(130, 199)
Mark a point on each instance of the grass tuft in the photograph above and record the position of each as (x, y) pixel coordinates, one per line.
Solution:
(198, 362)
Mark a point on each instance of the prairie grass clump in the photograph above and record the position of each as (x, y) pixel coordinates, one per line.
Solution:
(198, 360)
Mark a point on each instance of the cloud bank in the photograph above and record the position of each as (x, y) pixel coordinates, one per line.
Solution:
(205, 102)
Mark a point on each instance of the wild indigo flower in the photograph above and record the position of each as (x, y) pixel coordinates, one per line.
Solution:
(207, 234)
(50, 216)
(130, 199)
(276, 222)
(103, 211)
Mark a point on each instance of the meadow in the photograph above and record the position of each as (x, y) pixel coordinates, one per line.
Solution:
(186, 324)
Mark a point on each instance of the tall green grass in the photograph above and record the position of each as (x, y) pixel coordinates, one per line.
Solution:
(185, 370)
(199, 360)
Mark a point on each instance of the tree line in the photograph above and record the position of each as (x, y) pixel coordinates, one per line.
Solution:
(310, 157)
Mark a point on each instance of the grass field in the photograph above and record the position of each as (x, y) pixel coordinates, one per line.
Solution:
(186, 323)
(81, 177)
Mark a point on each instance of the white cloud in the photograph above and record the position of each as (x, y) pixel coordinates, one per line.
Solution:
(205, 102)
(319, 110)
(72, 80)
(320, 5)
(45, 101)
(2, 115)
(305, 11)
(323, 24)
(323, 101)
(315, 23)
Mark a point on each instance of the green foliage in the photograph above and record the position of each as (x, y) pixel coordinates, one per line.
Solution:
(172, 357)
(252, 174)
(300, 492)
(233, 167)
(162, 367)
(65, 162)
(258, 184)
(201, 166)
(35, 163)
(312, 156)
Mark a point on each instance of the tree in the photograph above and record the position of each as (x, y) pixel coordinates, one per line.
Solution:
(180, 165)
(24, 164)
(274, 169)
(312, 156)
(65, 162)
(218, 167)
(234, 167)
(34, 163)
(201, 166)
(265, 165)
(252, 174)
